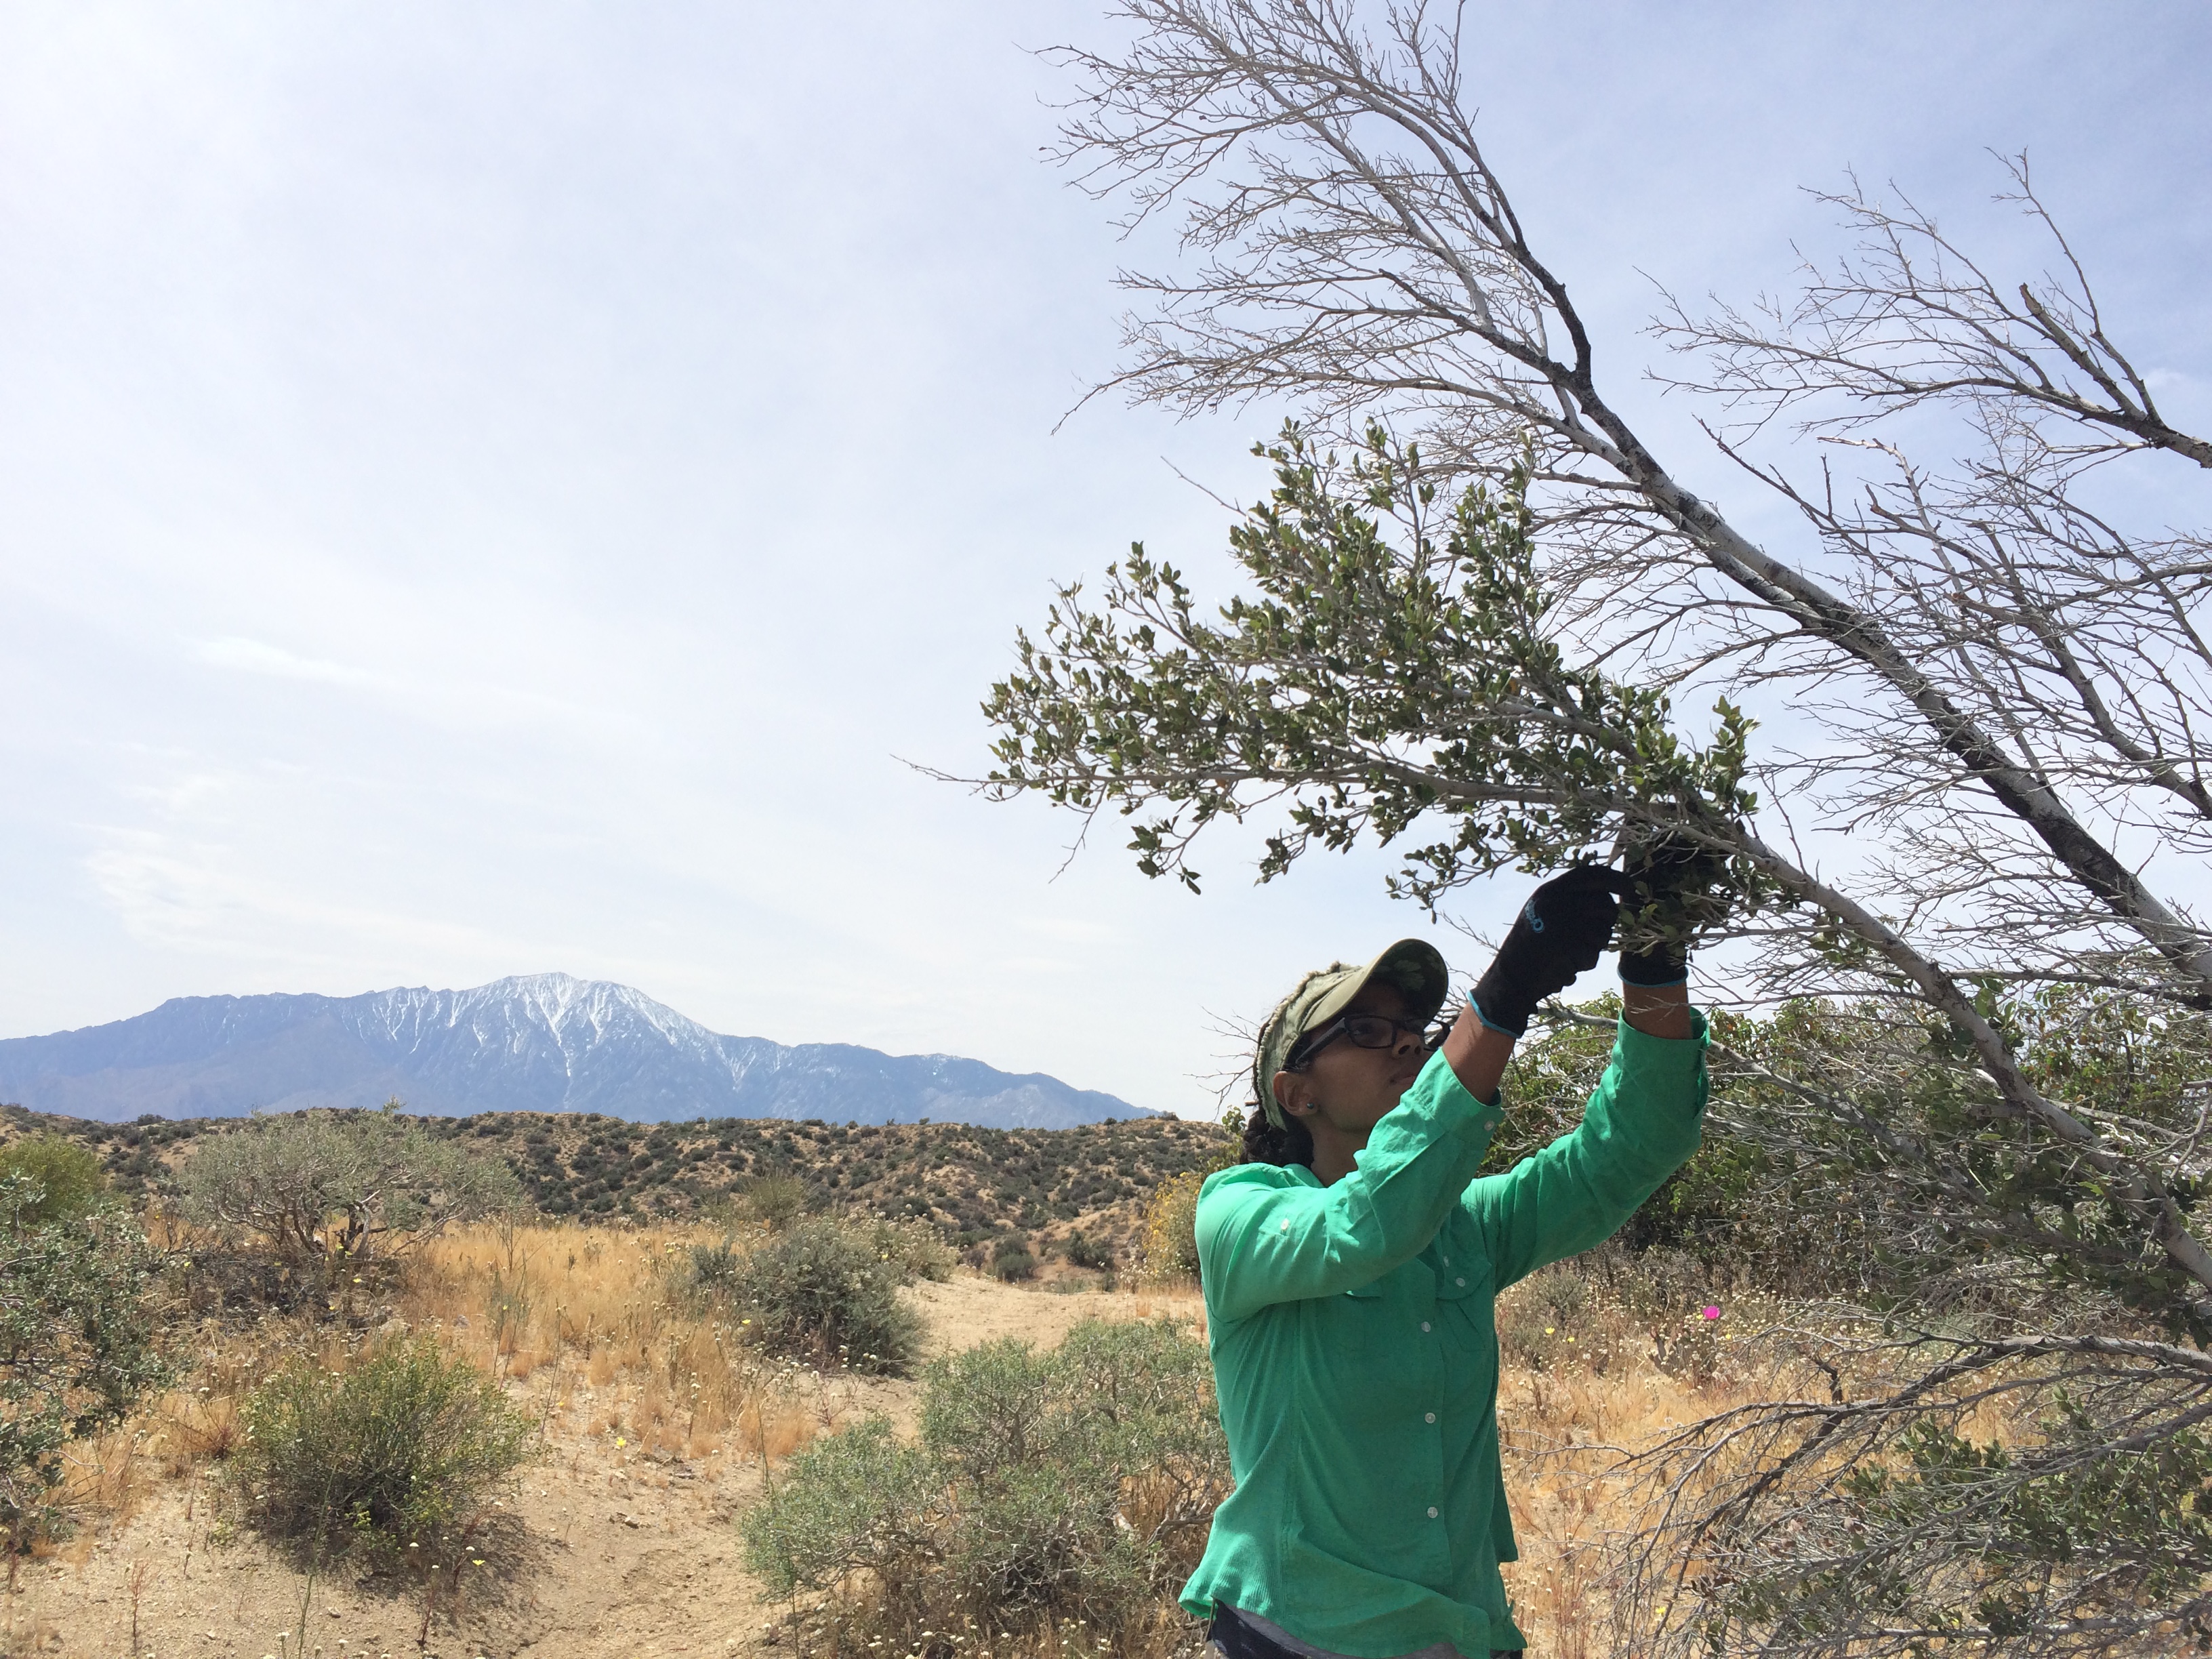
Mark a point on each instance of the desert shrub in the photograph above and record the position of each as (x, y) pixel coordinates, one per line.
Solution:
(1546, 1316)
(1085, 1251)
(1734, 1206)
(1074, 1483)
(1011, 1259)
(820, 1292)
(713, 1270)
(386, 1181)
(408, 1446)
(1167, 1247)
(76, 1340)
(775, 1200)
(1615, 1304)
(913, 1250)
(68, 1175)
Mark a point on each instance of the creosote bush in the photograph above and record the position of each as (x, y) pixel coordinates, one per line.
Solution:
(1085, 1251)
(1169, 1242)
(409, 1445)
(775, 1200)
(825, 1292)
(70, 1180)
(914, 1248)
(76, 1340)
(1076, 1483)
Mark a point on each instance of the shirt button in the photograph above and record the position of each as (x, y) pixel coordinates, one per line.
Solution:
(1432, 1511)
(1424, 1324)
(1431, 1416)
(1455, 1281)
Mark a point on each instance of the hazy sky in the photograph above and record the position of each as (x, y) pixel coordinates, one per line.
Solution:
(487, 490)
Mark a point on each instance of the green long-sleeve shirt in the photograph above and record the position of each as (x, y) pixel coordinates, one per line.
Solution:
(1355, 1354)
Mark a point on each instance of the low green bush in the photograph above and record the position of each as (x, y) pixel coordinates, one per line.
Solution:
(76, 1340)
(1010, 1259)
(775, 1200)
(407, 1447)
(823, 1292)
(1075, 1483)
(915, 1250)
(1085, 1251)
(69, 1176)
(1547, 1318)
(714, 1270)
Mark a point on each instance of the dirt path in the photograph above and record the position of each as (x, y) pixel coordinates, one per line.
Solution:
(607, 1552)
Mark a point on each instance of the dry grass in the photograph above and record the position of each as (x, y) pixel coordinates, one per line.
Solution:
(1607, 1357)
(1601, 1358)
(596, 1321)
(591, 1328)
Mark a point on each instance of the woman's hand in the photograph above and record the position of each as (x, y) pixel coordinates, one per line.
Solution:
(1672, 879)
(1560, 933)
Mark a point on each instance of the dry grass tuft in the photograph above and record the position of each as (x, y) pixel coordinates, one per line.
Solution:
(1602, 1357)
(589, 1328)
(599, 1323)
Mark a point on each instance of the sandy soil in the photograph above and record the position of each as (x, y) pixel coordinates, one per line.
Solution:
(608, 1551)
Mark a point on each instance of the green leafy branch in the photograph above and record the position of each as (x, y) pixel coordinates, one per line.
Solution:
(1396, 662)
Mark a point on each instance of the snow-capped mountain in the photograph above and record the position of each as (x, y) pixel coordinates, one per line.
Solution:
(541, 1043)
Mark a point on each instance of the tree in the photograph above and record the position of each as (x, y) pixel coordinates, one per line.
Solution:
(312, 1184)
(1479, 606)
(76, 1340)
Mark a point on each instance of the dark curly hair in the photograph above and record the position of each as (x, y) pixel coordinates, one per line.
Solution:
(1266, 1143)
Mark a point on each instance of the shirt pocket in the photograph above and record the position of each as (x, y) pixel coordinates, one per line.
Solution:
(1465, 1318)
(1352, 1366)
(1461, 1270)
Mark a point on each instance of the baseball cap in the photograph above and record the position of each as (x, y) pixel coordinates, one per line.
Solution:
(1414, 966)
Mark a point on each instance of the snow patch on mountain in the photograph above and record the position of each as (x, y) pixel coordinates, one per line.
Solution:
(531, 1042)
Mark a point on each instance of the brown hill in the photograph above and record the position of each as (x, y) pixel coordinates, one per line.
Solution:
(973, 1184)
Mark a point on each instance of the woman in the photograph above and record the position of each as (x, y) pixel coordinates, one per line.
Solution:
(1350, 1267)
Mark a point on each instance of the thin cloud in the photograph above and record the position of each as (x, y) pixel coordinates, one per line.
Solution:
(259, 657)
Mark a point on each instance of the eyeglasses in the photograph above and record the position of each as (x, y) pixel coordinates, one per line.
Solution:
(1364, 1032)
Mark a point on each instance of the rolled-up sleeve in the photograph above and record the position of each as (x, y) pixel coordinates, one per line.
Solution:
(1641, 1124)
(1265, 1235)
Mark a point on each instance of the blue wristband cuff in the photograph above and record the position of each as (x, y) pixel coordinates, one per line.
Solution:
(1506, 1029)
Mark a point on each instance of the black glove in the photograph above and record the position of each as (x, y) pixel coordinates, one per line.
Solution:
(1563, 929)
(1672, 881)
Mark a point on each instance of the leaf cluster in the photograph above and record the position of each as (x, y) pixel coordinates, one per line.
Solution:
(1396, 660)
(69, 1177)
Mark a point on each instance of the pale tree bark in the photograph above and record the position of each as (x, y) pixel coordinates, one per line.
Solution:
(1358, 255)
(2010, 686)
